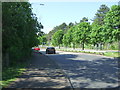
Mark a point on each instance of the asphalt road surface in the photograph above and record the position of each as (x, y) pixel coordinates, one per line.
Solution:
(41, 73)
(87, 70)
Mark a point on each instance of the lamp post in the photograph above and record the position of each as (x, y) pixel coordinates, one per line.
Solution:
(38, 16)
(36, 11)
(38, 3)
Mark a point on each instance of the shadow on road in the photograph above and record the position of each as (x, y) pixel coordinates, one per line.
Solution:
(83, 73)
(41, 73)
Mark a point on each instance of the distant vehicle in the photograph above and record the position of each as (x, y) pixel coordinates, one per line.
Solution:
(37, 48)
(50, 50)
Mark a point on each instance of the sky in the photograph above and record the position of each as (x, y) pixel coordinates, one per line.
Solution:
(54, 13)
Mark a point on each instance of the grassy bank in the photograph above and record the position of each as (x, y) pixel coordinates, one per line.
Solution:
(112, 54)
(10, 74)
(109, 54)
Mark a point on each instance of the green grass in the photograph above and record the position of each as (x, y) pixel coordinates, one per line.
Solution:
(11, 73)
(110, 54)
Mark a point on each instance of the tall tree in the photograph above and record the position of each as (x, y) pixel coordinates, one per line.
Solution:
(19, 31)
(70, 25)
(112, 24)
(68, 37)
(84, 19)
(62, 26)
(57, 38)
(81, 35)
(42, 39)
(99, 16)
(97, 34)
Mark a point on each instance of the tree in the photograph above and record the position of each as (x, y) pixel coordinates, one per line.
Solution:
(81, 35)
(99, 16)
(42, 40)
(62, 27)
(68, 37)
(57, 38)
(71, 25)
(84, 19)
(65, 40)
(39, 27)
(19, 31)
(112, 24)
(97, 33)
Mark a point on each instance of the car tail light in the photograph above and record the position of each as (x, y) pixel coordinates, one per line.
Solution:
(36, 48)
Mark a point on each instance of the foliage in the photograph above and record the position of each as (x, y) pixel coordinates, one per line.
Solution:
(84, 19)
(57, 38)
(68, 37)
(42, 40)
(112, 24)
(97, 33)
(99, 16)
(62, 26)
(109, 54)
(81, 35)
(112, 54)
(70, 25)
(19, 33)
(77, 34)
(105, 29)
(11, 73)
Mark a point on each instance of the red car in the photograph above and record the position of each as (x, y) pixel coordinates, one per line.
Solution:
(37, 48)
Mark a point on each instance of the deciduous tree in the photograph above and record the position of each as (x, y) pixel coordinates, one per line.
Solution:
(57, 38)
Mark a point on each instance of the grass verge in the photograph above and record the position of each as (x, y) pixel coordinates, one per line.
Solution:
(112, 54)
(11, 73)
(109, 54)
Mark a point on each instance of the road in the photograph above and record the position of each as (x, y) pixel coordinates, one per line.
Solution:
(41, 72)
(87, 70)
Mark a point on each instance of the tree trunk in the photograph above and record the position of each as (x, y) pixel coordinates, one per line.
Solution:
(66, 47)
(59, 46)
(97, 46)
(6, 59)
(101, 46)
(73, 46)
(83, 46)
(94, 46)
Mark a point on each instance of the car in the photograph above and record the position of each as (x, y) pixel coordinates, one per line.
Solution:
(50, 50)
(36, 49)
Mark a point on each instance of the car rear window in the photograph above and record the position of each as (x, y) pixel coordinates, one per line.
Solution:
(50, 48)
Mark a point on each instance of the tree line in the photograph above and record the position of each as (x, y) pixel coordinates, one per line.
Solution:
(20, 30)
(104, 30)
